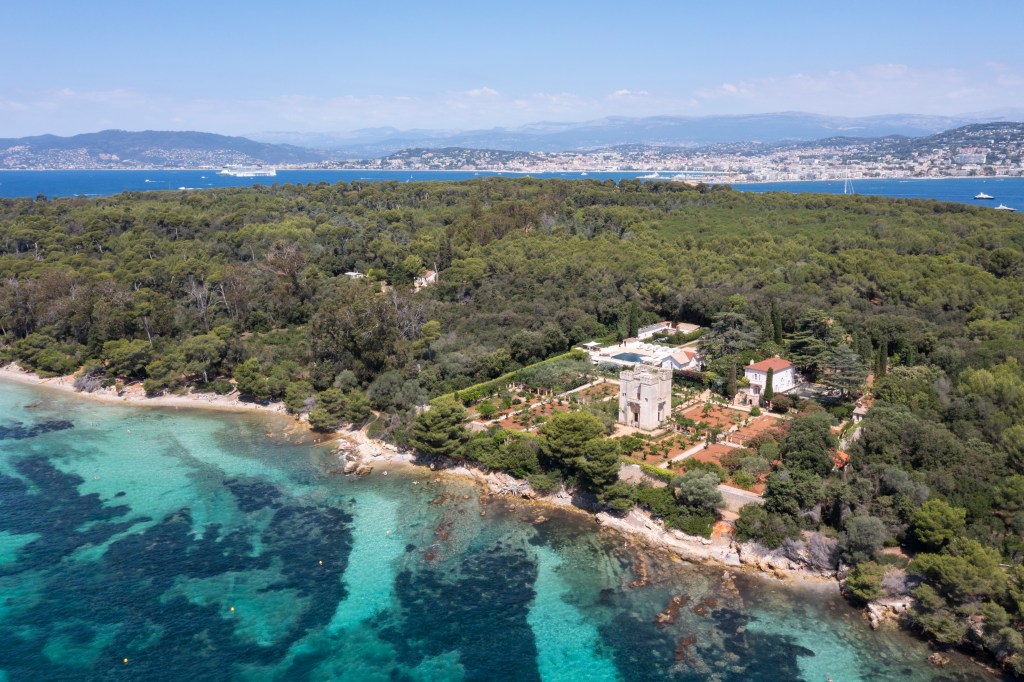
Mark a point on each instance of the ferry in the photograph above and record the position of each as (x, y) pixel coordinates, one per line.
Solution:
(1003, 207)
(982, 195)
(248, 171)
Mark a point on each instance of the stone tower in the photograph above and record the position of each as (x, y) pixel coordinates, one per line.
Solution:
(645, 396)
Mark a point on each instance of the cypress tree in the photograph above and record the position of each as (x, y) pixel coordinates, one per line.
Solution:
(776, 322)
(881, 364)
(769, 392)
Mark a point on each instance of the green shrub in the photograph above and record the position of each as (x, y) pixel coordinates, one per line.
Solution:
(744, 479)
(630, 444)
(220, 386)
(841, 412)
(731, 461)
(545, 483)
(691, 464)
(661, 502)
(696, 524)
(768, 528)
(657, 472)
(755, 465)
(375, 429)
(864, 582)
(782, 404)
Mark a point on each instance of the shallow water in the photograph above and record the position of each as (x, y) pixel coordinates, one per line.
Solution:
(211, 546)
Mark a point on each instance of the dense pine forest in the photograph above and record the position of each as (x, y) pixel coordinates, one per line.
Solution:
(247, 289)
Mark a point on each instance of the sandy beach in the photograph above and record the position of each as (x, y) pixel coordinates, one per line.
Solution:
(133, 394)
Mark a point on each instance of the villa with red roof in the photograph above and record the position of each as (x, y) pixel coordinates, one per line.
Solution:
(783, 375)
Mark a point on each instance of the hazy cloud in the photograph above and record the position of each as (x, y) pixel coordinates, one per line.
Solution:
(870, 89)
(628, 94)
(483, 92)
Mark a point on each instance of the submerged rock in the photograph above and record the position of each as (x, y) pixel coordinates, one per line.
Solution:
(670, 613)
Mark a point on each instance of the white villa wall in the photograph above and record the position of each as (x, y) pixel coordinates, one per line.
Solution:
(782, 381)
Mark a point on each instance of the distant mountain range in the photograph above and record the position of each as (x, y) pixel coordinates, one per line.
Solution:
(146, 149)
(163, 149)
(671, 131)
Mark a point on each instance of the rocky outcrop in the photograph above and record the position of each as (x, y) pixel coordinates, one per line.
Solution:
(496, 482)
(892, 611)
(781, 562)
(353, 459)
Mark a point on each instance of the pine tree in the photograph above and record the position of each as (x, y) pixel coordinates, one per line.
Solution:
(441, 429)
(730, 388)
(846, 371)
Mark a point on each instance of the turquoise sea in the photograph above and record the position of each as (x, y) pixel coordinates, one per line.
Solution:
(1008, 191)
(162, 544)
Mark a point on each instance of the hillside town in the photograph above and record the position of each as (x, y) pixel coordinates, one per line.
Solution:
(993, 150)
(987, 150)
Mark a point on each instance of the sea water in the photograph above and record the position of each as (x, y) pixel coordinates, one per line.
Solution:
(162, 544)
(58, 183)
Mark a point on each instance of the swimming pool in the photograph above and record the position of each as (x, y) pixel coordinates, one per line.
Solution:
(629, 357)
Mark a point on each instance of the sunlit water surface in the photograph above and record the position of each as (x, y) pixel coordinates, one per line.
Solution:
(157, 544)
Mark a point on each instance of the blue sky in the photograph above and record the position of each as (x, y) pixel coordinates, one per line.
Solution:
(243, 67)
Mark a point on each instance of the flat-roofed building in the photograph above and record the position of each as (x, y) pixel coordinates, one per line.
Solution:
(645, 396)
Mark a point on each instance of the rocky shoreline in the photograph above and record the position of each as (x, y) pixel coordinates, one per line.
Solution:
(359, 455)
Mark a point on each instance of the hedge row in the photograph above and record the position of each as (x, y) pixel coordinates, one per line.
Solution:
(470, 395)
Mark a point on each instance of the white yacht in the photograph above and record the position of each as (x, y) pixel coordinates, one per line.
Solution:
(982, 195)
(248, 171)
(1003, 207)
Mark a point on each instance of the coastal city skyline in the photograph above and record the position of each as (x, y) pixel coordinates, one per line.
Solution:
(323, 67)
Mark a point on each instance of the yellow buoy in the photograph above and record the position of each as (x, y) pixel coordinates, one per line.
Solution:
(232, 609)
(126, 661)
(321, 562)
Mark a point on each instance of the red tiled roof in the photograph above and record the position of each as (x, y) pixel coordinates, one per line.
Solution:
(776, 364)
(840, 459)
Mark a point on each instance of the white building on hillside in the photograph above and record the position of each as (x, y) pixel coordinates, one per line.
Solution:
(424, 280)
(783, 375)
(682, 359)
(648, 332)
